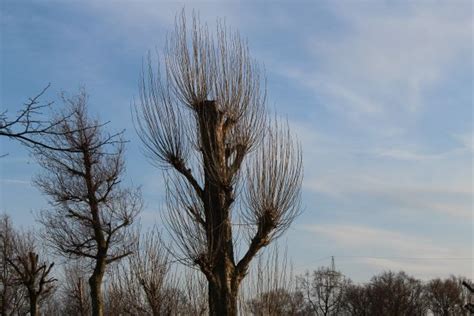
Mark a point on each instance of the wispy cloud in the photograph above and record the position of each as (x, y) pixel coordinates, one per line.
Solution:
(386, 60)
(395, 250)
(15, 181)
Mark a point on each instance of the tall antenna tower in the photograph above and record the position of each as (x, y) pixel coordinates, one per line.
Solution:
(333, 265)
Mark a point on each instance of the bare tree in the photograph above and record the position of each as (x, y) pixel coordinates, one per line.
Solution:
(76, 300)
(194, 287)
(445, 297)
(396, 294)
(323, 290)
(90, 213)
(31, 272)
(270, 288)
(12, 300)
(145, 284)
(205, 119)
(356, 300)
(469, 295)
(388, 293)
(279, 302)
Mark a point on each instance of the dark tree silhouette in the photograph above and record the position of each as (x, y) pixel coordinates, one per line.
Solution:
(90, 213)
(205, 118)
(388, 293)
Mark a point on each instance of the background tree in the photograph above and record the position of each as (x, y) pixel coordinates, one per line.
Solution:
(144, 284)
(30, 272)
(278, 302)
(445, 297)
(270, 288)
(356, 300)
(12, 301)
(90, 213)
(323, 290)
(396, 294)
(74, 295)
(205, 119)
(388, 293)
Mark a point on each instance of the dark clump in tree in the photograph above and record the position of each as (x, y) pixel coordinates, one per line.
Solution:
(90, 212)
(205, 118)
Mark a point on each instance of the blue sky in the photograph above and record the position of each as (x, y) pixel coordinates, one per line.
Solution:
(379, 93)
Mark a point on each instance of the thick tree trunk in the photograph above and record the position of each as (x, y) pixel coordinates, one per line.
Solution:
(33, 305)
(95, 284)
(221, 301)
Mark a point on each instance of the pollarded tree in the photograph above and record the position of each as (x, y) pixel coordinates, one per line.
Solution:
(91, 213)
(204, 117)
(31, 272)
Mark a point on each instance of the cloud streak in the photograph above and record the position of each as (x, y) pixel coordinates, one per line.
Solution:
(395, 250)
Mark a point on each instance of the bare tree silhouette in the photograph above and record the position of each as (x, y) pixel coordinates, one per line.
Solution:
(91, 212)
(29, 126)
(205, 118)
(30, 272)
(12, 297)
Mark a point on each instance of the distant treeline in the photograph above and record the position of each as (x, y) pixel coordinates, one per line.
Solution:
(150, 283)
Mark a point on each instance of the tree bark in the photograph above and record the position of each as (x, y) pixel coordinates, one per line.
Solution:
(222, 302)
(95, 284)
(33, 304)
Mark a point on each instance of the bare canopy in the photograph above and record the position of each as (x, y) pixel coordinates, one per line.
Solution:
(237, 171)
(91, 212)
